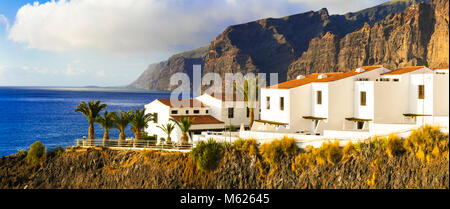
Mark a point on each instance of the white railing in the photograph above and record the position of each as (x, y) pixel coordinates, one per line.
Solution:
(130, 144)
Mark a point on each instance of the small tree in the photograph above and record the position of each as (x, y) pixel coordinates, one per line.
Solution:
(139, 121)
(35, 153)
(121, 122)
(168, 129)
(185, 125)
(107, 122)
(91, 111)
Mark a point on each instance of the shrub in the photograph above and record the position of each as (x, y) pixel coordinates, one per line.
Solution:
(238, 143)
(233, 128)
(301, 162)
(333, 153)
(21, 152)
(35, 153)
(207, 155)
(349, 150)
(250, 146)
(276, 150)
(56, 151)
(394, 146)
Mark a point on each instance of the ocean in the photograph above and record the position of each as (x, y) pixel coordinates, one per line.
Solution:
(29, 114)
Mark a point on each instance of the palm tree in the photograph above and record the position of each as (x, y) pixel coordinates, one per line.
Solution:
(168, 128)
(91, 111)
(121, 122)
(249, 90)
(107, 122)
(139, 121)
(185, 125)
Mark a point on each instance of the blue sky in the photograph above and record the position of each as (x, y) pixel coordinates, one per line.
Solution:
(110, 42)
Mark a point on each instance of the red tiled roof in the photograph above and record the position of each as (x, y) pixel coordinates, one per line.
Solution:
(191, 102)
(199, 119)
(404, 70)
(314, 78)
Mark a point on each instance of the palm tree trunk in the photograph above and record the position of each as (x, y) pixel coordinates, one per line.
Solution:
(137, 136)
(91, 135)
(184, 139)
(251, 117)
(121, 138)
(105, 138)
(168, 140)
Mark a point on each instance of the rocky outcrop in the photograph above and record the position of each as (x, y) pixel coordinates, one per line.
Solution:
(236, 170)
(417, 36)
(157, 76)
(271, 45)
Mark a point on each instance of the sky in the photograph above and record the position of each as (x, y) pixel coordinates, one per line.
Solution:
(111, 42)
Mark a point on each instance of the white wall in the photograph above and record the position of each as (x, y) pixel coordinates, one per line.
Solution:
(441, 93)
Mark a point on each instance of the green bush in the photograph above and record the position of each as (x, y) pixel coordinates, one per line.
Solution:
(246, 145)
(207, 155)
(233, 128)
(35, 153)
(56, 151)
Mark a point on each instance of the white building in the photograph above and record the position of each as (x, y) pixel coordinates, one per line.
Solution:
(358, 104)
(212, 113)
(316, 102)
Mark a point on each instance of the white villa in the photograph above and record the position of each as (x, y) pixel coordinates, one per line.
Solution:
(358, 104)
(210, 113)
(365, 102)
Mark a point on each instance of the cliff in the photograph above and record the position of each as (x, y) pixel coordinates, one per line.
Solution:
(417, 36)
(272, 45)
(237, 169)
(157, 75)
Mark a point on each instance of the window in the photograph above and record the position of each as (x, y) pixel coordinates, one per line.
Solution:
(363, 98)
(268, 103)
(207, 111)
(421, 92)
(230, 112)
(281, 103)
(174, 112)
(155, 117)
(396, 80)
(319, 97)
(248, 112)
(187, 111)
(196, 111)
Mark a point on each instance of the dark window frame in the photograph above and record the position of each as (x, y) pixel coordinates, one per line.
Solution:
(281, 103)
(319, 97)
(174, 112)
(230, 112)
(196, 111)
(421, 91)
(268, 103)
(363, 98)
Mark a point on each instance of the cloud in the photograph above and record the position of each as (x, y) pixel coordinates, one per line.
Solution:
(145, 26)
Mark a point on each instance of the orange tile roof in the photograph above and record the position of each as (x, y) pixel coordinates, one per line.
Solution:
(191, 102)
(404, 70)
(313, 78)
(199, 119)
(442, 68)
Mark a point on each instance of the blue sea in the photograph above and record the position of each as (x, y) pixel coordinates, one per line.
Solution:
(29, 114)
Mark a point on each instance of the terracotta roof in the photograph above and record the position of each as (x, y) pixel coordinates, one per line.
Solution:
(198, 119)
(313, 78)
(191, 102)
(227, 97)
(442, 68)
(404, 70)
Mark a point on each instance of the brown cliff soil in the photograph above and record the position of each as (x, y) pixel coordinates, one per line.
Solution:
(381, 163)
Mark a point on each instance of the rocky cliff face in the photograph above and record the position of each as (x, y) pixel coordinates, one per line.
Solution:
(271, 45)
(157, 76)
(417, 36)
(237, 170)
